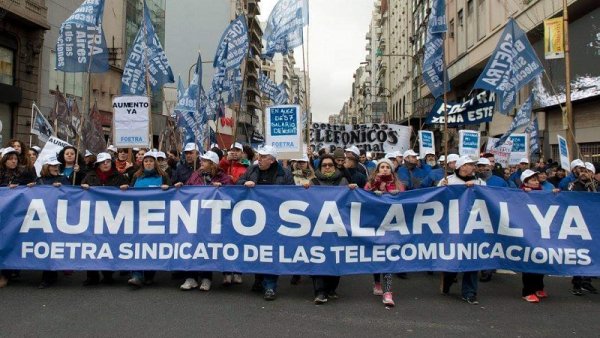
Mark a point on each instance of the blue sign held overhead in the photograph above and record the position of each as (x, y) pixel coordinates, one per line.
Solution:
(477, 110)
(519, 143)
(283, 121)
(433, 61)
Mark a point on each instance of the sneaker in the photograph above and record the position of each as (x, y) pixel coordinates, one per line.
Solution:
(485, 277)
(332, 295)
(589, 288)
(531, 298)
(189, 284)
(320, 299)
(387, 299)
(471, 300)
(270, 294)
(136, 282)
(45, 285)
(227, 280)
(377, 290)
(205, 284)
(3, 281)
(445, 285)
(295, 280)
(577, 291)
(237, 278)
(541, 294)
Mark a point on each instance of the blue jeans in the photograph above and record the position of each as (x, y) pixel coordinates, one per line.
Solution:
(469, 282)
(270, 282)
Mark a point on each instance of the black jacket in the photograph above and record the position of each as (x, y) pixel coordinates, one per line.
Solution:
(20, 176)
(281, 175)
(115, 180)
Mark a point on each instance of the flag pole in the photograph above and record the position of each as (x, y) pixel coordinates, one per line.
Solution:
(30, 129)
(570, 130)
(445, 71)
(306, 70)
(146, 63)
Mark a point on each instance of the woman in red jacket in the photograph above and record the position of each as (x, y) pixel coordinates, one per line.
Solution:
(384, 181)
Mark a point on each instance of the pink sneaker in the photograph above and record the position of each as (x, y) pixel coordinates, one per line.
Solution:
(377, 290)
(387, 299)
(541, 294)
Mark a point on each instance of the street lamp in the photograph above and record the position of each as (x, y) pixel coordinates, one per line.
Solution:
(192, 66)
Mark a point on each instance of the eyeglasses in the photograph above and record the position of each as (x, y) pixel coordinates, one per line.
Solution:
(327, 165)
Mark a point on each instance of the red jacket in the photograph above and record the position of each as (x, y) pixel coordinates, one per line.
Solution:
(232, 168)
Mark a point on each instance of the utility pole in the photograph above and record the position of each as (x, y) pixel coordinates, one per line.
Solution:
(568, 121)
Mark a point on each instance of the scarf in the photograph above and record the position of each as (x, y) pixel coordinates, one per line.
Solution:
(121, 165)
(103, 176)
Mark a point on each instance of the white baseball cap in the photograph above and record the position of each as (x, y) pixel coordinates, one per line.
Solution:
(211, 156)
(590, 166)
(37, 149)
(150, 154)
(267, 150)
(304, 158)
(190, 147)
(8, 150)
(524, 160)
(577, 163)
(484, 161)
(160, 154)
(410, 152)
(398, 154)
(453, 158)
(390, 155)
(111, 148)
(51, 160)
(527, 174)
(103, 157)
(214, 145)
(236, 145)
(442, 158)
(463, 160)
(88, 153)
(354, 150)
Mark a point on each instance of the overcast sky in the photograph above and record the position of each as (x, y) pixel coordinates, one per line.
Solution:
(336, 49)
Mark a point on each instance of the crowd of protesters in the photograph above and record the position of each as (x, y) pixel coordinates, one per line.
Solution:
(391, 173)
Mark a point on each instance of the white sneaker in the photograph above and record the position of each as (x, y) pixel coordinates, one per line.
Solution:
(205, 285)
(189, 284)
(237, 278)
(227, 279)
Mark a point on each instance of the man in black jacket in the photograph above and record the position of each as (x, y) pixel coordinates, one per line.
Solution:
(267, 172)
(185, 170)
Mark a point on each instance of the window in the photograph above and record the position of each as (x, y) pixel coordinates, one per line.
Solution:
(68, 83)
(5, 123)
(7, 66)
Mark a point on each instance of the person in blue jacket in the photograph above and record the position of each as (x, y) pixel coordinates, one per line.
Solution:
(576, 166)
(409, 173)
(516, 176)
(437, 174)
(543, 179)
(485, 172)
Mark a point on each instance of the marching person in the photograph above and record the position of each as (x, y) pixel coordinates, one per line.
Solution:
(382, 181)
(586, 183)
(409, 173)
(437, 174)
(515, 177)
(50, 175)
(150, 175)
(232, 164)
(267, 172)
(22, 151)
(533, 283)
(486, 174)
(356, 171)
(13, 174)
(208, 173)
(327, 174)
(577, 165)
(185, 170)
(104, 174)
(464, 174)
(72, 164)
(122, 162)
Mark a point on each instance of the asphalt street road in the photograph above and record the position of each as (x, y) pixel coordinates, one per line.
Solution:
(162, 310)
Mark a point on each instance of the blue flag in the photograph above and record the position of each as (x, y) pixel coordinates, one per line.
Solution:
(285, 25)
(146, 56)
(433, 62)
(81, 46)
(282, 96)
(522, 118)
(533, 131)
(268, 87)
(233, 46)
(512, 65)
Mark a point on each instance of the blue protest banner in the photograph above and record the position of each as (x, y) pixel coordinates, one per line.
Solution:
(315, 231)
(285, 25)
(81, 46)
(433, 61)
(533, 131)
(477, 110)
(233, 46)
(522, 118)
(268, 87)
(512, 65)
(146, 61)
(282, 96)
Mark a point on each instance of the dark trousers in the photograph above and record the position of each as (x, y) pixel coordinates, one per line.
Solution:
(579, 281)
(325, 284)
(532, 282)
(95, 275)
(469, 282)
(49, 276)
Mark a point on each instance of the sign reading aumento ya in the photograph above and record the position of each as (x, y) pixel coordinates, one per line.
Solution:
(131, 121)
